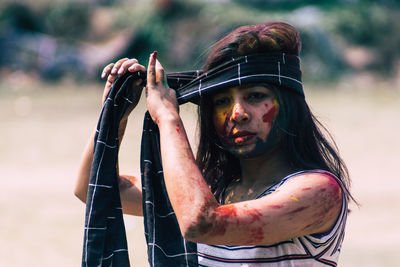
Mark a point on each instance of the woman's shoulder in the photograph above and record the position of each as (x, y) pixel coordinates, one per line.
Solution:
(315, 180)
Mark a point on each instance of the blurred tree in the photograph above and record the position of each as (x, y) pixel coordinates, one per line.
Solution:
(19, 16)
(54, 38)
(68, 19)
(376, 27)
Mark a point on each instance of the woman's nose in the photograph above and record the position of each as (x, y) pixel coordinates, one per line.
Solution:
(239, 114)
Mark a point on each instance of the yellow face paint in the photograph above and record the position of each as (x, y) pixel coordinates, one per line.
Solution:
(220, 119)
(294, 199)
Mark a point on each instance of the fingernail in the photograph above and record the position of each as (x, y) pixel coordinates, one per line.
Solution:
(120, 71)
(154, 55)
(103, 75)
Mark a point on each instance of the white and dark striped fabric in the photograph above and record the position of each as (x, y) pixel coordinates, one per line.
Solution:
(104, 239)
(306, 251)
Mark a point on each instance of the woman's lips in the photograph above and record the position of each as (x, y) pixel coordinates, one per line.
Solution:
(242, 137)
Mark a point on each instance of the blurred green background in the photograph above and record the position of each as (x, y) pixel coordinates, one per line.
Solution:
(51, 56)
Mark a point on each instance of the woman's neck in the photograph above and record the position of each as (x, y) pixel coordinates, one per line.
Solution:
(264, 170)
(257, 175)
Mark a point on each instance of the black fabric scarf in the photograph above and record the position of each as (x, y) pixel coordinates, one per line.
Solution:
(104, 238)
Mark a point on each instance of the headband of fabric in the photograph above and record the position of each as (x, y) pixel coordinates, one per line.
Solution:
(278, 69)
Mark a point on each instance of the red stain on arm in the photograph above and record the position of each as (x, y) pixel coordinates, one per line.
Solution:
(297, 210)
(216, 222)
(275, 206)
(178, 129)
(125, 182)
(227, 211)
(256, 235)
(255, 214)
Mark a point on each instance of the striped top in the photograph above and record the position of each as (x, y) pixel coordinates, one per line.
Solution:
(311, 250)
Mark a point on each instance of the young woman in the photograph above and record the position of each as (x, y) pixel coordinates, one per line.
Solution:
(266, 186)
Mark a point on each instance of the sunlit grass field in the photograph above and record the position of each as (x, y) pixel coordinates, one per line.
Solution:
(44, 128)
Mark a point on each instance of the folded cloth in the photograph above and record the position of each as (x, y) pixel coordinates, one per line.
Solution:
(105, 239)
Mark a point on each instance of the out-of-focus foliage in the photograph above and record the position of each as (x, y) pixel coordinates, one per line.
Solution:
(77, 38)
(375, 27)
(68, 19)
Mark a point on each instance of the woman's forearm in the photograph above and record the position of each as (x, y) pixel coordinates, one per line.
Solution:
(189, 194)
(82, 181)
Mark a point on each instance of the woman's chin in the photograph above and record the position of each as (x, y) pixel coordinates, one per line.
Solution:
(249, 151)
(245, 151)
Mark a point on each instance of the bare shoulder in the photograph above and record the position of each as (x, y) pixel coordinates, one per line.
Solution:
(311, 183)
(319, 197)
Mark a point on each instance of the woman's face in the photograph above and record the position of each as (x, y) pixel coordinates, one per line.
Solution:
(243, 117)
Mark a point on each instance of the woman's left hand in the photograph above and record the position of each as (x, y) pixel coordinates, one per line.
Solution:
(161, 100)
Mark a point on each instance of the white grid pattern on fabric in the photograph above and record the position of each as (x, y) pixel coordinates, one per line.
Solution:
(199, 90)
(101, 145)
(279, 72)
(107, 145)
(240, 81)
(92, 201)
(112, 254)
(243, 78)
(171, 255)
(100, 185)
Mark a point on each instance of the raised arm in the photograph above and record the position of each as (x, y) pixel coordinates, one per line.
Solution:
(304, 205)
(130, 188)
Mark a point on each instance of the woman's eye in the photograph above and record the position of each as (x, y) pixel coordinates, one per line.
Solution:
(221, 101)
(256, 96)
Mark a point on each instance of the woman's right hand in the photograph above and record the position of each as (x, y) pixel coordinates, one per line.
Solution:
(130, 188)
(119, 68)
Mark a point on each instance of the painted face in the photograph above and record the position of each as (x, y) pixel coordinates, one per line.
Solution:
(243, 118)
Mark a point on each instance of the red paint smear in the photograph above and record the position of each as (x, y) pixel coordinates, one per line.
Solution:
(220, 218)
(254, 213)
(270, 115)
(297, 210)
(178, 130)
(306, 188)
(227, 211)
(256, 235)
(126, 181)
(154, 55)
(275, 206)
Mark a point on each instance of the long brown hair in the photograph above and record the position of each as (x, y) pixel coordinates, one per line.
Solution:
(304, 140)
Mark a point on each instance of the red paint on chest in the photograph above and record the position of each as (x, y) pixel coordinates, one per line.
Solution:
(270, 115)
(306, 188)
